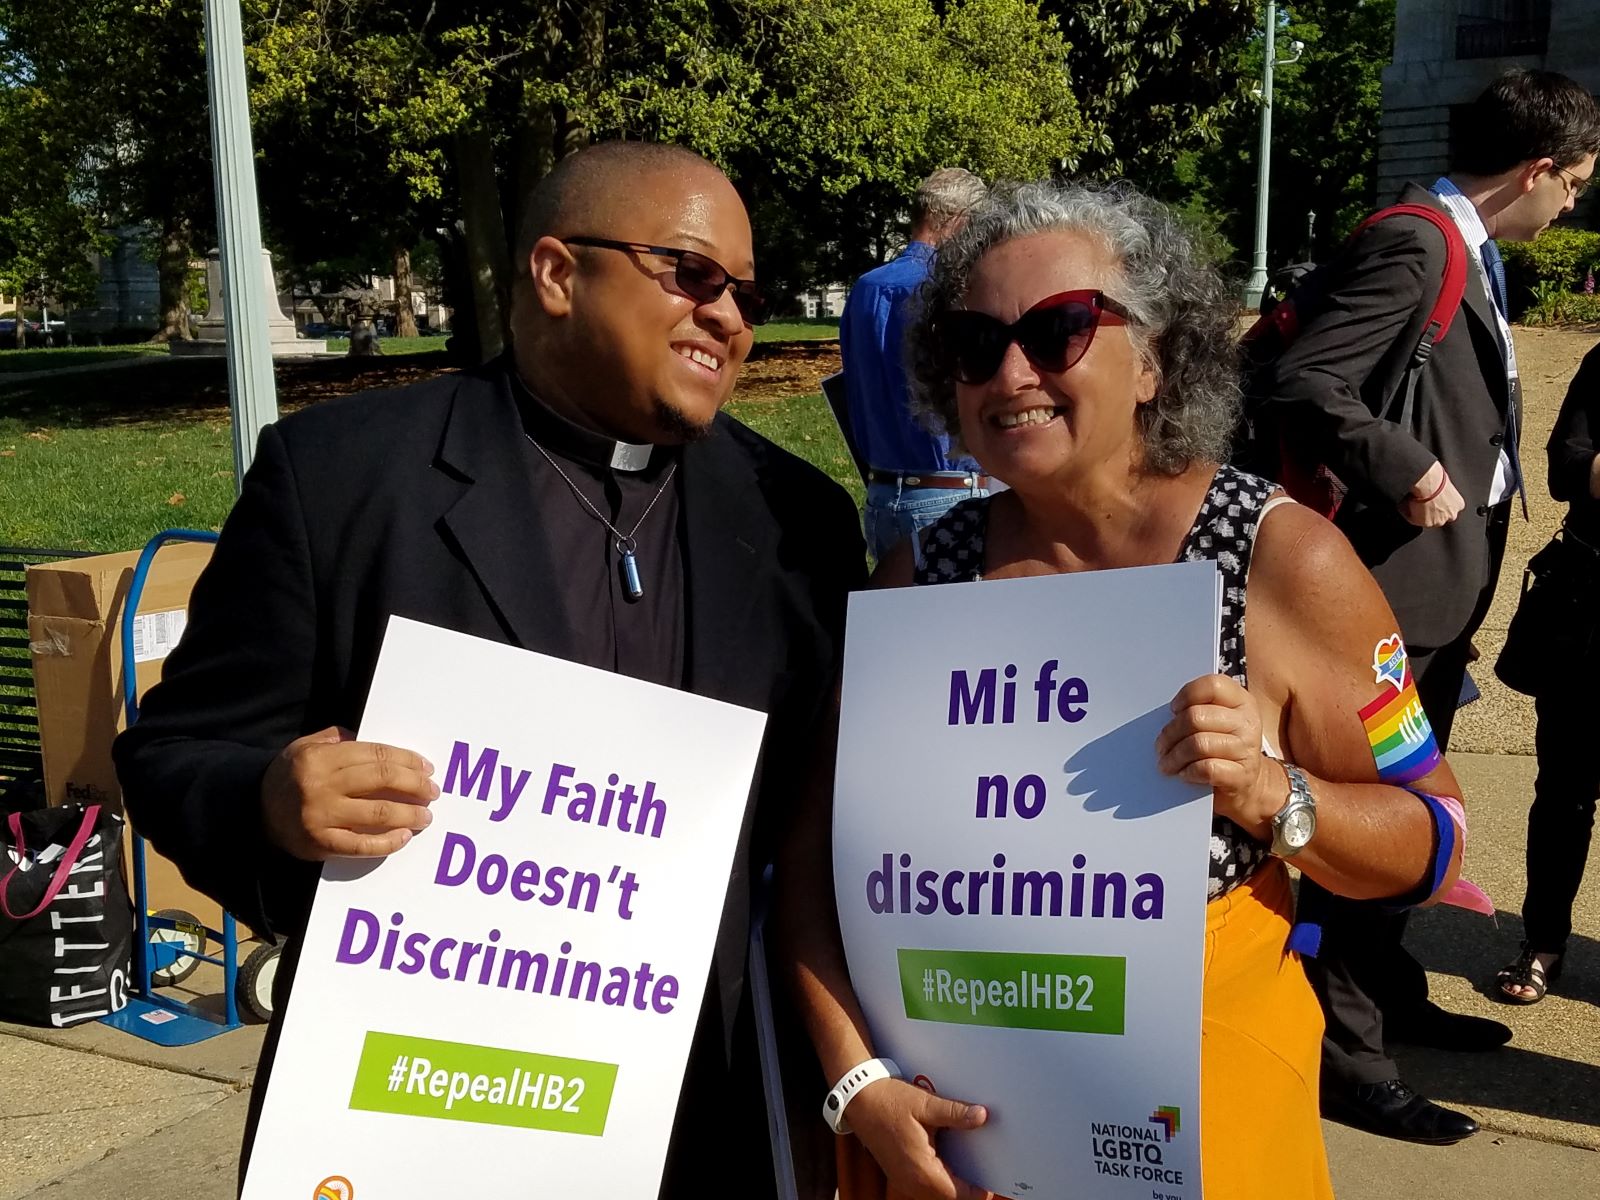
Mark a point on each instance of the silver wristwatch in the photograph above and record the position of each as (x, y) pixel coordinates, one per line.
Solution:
(1296, 822)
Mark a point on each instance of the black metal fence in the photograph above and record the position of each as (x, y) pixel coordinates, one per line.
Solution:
(20, 764)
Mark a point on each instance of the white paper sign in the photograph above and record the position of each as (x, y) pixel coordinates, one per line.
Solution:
(1021, 892)
(505, 1007)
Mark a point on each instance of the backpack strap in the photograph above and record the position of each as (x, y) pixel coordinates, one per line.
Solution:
(1452, 288)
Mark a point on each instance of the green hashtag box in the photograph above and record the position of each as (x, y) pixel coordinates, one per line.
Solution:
(454, 1081)
(1068, 993)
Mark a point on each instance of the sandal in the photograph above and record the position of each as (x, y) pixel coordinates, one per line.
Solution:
(1527, 973)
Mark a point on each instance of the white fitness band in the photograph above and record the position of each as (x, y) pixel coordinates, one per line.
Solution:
(855, 1079)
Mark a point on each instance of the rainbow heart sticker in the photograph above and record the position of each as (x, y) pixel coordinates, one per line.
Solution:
(1389, 661)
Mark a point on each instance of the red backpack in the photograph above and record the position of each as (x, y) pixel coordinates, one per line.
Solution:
(1266, 449)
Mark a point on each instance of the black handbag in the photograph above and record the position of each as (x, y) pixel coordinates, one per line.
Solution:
(1554, 628)
(66, 925)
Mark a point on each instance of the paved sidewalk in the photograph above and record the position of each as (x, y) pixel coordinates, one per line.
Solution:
(93, 1114)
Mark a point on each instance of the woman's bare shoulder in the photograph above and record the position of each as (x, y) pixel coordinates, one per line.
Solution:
(1305, 573)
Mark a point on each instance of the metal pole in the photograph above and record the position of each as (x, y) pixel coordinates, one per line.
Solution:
(252, 391)
(1258, 267)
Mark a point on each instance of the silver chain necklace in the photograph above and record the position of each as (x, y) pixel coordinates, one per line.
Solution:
(627, 548)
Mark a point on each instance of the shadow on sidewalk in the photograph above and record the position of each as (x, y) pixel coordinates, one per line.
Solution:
(1510, 1079)
(1452, 941)
(1551, 1069)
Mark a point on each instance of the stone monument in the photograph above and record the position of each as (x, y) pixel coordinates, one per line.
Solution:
(211, 331)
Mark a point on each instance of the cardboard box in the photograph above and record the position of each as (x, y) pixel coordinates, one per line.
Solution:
(75, 632)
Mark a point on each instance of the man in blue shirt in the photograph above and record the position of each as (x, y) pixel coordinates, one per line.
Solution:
(914, 476)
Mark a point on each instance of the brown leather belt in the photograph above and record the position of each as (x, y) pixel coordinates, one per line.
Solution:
(906, 479)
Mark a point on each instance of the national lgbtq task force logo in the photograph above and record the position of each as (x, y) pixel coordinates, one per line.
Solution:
(335, 1187)
(1167, 1116)
(1123, 1150)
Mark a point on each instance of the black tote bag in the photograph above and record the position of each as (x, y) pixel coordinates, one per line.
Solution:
(1553, 631)
(66, 926)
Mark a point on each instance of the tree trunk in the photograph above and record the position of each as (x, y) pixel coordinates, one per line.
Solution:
(405, 319)
(588, 56)
(172, 263)
(535, 148)
(535, 155)
(484, 233)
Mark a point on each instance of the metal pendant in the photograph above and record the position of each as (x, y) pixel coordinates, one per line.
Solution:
(630, 568)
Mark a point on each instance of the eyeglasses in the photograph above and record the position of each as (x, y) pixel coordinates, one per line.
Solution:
(698, 277)
(1054, 334)
(1576, 186)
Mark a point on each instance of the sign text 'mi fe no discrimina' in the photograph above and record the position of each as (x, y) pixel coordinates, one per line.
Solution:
(1021, 892)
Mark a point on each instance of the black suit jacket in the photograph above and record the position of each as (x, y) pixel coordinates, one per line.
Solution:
(415, 502)
(1329, 387)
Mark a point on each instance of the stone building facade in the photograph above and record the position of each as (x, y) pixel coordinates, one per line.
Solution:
(1447, 51)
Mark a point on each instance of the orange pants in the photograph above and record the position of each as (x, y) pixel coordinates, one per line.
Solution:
(1260, 1049)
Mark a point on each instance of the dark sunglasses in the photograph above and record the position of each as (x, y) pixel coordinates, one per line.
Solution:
(700, 278)
(1054, 334)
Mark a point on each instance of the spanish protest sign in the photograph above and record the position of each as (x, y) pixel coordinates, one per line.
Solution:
(1021, 891)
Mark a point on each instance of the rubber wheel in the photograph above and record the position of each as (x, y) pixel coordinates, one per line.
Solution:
(255, 981)
(192, 938)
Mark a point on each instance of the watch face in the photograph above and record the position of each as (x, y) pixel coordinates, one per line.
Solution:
(1298, 826)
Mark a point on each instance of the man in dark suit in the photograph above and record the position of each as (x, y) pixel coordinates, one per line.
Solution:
(1428, 509)
(582, 497)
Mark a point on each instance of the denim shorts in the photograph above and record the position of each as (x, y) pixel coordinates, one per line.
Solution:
(896, 512)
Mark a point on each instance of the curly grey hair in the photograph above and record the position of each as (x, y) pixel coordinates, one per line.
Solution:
(1181, 315)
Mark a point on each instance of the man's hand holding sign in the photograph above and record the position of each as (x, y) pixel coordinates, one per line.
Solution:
(330, 796)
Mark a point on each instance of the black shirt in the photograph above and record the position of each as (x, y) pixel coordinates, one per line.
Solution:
(1572, 449)
(643, 638)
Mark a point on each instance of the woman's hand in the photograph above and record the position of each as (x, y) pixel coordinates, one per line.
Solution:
(1215, 740)
(896, 1121)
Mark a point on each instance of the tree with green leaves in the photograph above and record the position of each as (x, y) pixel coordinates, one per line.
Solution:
(1154, 78)
(826, 112)
(47, 230)
(128, 82)
(1327, 110)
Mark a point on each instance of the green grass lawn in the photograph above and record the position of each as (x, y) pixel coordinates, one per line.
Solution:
(432, 343)
(800, 329)
(102, 479)
(805, 426)
(109, 487)
(16, 362)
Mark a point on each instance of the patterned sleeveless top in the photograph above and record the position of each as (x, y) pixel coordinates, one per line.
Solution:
(1224, 532)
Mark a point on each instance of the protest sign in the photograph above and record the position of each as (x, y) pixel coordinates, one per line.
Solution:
(1021, 892)
(505, 1006)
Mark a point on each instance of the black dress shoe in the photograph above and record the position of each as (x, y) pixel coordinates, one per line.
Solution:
(1391, 1109)
(1430, 1025)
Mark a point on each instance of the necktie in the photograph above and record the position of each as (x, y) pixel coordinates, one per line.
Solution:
(1495, 269)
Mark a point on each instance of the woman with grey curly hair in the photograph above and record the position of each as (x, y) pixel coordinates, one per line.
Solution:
(1178, 315)
(1081, 350)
